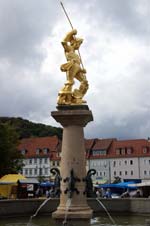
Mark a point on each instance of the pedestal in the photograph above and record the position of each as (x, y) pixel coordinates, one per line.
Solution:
(73, 159)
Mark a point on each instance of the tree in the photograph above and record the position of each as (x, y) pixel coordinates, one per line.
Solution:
(10, 157)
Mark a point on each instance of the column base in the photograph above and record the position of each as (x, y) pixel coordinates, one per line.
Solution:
(73, 213)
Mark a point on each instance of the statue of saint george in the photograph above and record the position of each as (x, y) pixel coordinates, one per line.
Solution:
(73, 69)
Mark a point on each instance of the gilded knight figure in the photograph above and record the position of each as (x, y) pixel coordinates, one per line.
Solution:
(74, 70)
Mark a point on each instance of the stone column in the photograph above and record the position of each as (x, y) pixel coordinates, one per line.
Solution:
(73, 119)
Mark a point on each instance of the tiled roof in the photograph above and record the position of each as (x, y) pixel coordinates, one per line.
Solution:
(136, 145)
(32, 144)
(89, 143)
(103, 144)
(110, 145)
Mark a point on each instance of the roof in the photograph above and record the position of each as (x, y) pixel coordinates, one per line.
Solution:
(89, 143)
(136, 145)
(32, 144)
(121, 148)
(102, 144)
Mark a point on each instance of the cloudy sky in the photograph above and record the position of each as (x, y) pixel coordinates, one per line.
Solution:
(115, 52)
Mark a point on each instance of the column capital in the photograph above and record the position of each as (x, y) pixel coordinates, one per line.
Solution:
(77, 115)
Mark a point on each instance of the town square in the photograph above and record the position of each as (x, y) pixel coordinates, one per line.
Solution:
(74, 116)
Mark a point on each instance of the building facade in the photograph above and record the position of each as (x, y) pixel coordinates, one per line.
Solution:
(126, 159)
(111, 158)
(40, 155)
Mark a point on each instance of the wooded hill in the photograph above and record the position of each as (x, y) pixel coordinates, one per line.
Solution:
(26, 128)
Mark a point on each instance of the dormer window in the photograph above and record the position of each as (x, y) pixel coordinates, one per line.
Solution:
(23, 152)
(38, 151)
(145, 149)
(123, 151)
(45, 151)
(129, 151)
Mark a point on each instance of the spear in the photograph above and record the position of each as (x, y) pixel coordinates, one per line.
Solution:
(72, 28)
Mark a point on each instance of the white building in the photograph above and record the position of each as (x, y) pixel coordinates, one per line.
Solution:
(127, 159)
(40, 155)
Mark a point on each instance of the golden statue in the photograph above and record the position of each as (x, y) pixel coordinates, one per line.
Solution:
(74, 70)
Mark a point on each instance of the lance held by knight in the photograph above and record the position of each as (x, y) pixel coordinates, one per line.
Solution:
(74, 70)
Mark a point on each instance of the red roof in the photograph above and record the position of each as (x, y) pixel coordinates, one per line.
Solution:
(89, 143)
(136, 146)
(103, 144)
(32, 144)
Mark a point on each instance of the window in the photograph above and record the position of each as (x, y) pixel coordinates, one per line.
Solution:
(104, 173)
(45, 160)
(131, 162)
(30, 161)
(45, 151)
(114, 173)
(46, 171)
(40, 161)
(114, 163)
(131, 172)
(99, 152)
(123, 151)
(57, 163)
(35, 171)
(38, 150)
(129, 151)
(53, 163)
(26, 171)
(120, 173)
(35, 161)
(23, 152)
(126, 173)
(40, 171)
(30, 171)
(125, 162)
(145, 172)
(145, 150)
(119, 163)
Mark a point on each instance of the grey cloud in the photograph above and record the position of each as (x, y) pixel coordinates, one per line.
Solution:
(24, 25)
(118, 16)
(133, 127)
(28, 92)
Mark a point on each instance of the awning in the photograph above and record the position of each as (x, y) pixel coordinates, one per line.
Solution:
(28, 181)
(47, 184)
(119, 185)
(143, 184)
(11, 178)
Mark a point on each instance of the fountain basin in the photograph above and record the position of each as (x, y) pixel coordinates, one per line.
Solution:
(102, 219)
(27, 207)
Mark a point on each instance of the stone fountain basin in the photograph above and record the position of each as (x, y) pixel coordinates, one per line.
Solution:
(27, 207)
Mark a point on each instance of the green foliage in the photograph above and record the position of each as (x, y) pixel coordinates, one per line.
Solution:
(10, 157)
(26, 129)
